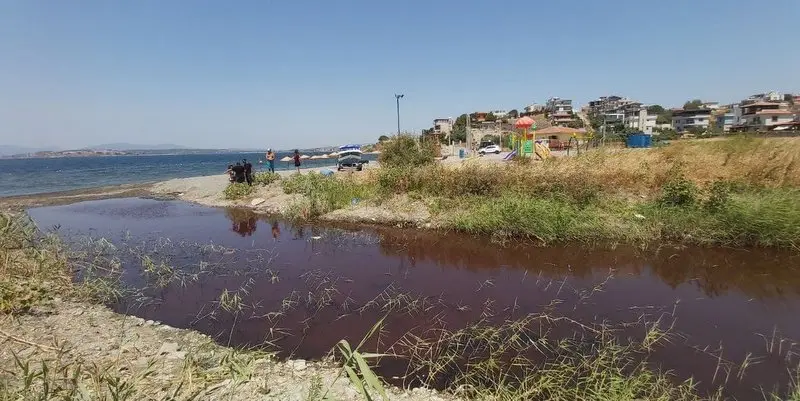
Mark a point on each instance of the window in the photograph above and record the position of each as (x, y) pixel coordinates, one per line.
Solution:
(774, 119)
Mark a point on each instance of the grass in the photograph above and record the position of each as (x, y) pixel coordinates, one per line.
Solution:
(324, 194)
(736, 191)
(541, 356)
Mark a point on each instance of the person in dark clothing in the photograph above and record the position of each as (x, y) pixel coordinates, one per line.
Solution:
(238, 172)
(248, 172)
(296, 158)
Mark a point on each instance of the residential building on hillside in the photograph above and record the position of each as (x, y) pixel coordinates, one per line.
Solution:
(557, 105)
(642, 121)
(499, 113)
(710, 105)
(606, 104)
(534, 108)
(443, 126)
(685, 120)
(726, 120)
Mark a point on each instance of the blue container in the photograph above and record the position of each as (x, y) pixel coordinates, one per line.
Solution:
(640, 140)
(461, 153)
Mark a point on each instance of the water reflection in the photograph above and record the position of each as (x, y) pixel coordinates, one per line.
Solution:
(243, 222)
(721, 296)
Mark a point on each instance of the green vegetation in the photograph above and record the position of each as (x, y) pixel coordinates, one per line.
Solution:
(693, 104)
(265, 178)
(404, 150)
(323, 194)
(237, 190)
(737, 191)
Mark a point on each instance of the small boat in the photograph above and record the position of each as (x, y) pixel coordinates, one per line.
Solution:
(350, 157)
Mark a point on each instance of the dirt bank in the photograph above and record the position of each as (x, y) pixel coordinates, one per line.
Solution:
(148, 360)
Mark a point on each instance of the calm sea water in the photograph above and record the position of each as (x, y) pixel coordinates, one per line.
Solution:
(32, 176)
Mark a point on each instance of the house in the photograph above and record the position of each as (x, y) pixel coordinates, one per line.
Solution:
(561, 118)
(558, 137)
(726, 120)
(642, 121)
(557, 105)
(710, 105)
(768, 119)
(760, 114)
(534, 109)
(443, 126)
(686, 120)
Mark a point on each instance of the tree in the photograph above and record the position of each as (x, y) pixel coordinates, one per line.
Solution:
(693, 104)
(383, 138)
(665, 117)
(513, 113)
(459, 132)
(491, 117)
(655, 109)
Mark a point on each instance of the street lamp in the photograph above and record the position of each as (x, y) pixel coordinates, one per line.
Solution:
(397, 98)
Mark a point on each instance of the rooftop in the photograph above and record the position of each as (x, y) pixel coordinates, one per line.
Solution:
(775, 112)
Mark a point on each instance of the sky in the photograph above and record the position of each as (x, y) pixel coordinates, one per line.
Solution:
(301, 73)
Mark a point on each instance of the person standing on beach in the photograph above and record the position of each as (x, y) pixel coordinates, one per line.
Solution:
(248, 172)
(238, 172)
(296, 158)
(271, 160)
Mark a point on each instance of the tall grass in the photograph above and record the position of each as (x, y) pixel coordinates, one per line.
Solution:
(735, 191)
(324, 194)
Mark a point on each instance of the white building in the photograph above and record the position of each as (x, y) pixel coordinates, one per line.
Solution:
(557, 105)
(443, 126)
(643, 121)
(685, 120)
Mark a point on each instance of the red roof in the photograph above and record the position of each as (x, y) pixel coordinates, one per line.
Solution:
(761, 104)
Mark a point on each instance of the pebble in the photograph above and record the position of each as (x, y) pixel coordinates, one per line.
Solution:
(298, 365)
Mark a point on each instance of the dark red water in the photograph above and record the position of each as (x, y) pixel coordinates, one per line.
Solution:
(727, 302)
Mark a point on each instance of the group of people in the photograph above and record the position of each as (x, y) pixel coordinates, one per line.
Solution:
(241, 172)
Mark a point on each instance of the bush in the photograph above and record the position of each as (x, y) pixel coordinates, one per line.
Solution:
(324, 194)
(237, 190)
(406, 151)
(265, 178)
(678, 191)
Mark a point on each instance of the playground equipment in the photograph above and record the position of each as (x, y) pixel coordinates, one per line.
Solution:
(524, 142)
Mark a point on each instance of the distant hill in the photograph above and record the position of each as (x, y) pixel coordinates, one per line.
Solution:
(132, 146)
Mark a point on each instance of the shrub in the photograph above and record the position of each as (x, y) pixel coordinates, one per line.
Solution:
(324, 194)
(265, 178)
(406, 151)
(237, 190)
(678, 191)
(719, 195)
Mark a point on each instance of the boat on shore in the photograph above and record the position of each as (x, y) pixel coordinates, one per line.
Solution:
(350, 156)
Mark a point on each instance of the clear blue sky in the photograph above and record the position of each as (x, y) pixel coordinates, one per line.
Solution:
(307, 73)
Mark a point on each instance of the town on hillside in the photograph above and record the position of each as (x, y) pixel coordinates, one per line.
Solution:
(613, 116)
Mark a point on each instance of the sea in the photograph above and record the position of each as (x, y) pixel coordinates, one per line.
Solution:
(44, 175)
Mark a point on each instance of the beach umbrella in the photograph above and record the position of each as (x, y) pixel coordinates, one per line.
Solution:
(286, 159)
(303, 157)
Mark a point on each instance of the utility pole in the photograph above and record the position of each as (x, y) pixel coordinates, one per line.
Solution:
(397, 98)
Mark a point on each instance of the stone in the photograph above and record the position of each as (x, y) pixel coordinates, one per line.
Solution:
(257, 201)
(298, 365)
(168, 348)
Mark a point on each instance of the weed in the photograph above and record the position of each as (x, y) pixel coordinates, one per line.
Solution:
(678, 191)
(237, 190)
(403, 150)
(265, 178)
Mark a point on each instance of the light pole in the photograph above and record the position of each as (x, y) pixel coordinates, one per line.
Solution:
(397, 98)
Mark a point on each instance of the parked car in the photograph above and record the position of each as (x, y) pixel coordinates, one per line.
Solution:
(489, 149)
